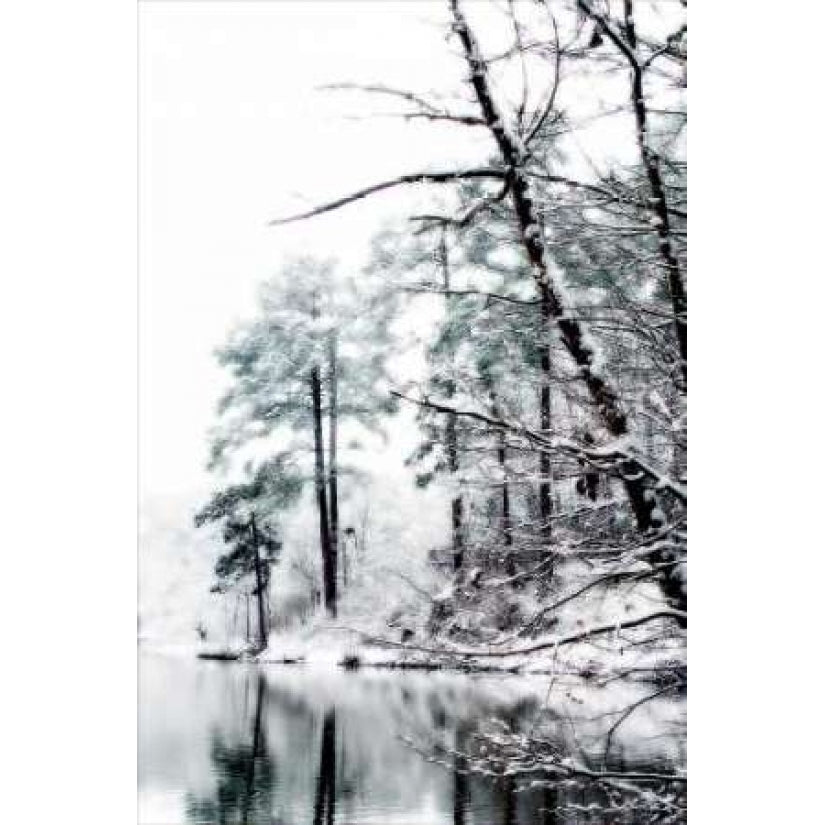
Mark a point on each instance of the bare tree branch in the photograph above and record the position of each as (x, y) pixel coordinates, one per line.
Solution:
(403, 180)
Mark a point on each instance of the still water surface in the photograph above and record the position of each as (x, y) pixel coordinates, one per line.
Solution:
(236, 743)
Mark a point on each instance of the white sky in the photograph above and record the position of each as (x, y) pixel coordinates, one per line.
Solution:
(234, 132)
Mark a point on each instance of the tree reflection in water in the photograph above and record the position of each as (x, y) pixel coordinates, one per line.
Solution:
(461, 780)
(325, 787)
(306, 748)
(246, 777)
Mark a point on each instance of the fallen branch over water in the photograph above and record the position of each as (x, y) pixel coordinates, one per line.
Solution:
(550, 644)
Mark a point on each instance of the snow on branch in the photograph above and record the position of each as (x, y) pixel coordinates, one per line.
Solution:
(548, 644)
(403, 180)
(425, 109)
(607, 458)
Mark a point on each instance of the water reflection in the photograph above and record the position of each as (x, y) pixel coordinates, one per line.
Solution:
(325, 793)
(229, 744)
(461, 779)
(245, 777)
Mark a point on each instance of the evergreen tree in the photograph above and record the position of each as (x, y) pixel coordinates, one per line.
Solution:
(312, 360)
(246, 514)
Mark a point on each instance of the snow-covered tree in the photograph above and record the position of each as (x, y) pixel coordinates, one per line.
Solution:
(246, 514)
(311, 361)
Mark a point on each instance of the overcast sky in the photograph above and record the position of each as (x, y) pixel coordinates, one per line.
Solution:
(234, 132)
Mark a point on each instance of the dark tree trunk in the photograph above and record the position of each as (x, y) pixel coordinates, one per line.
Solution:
(506, 518)
(458, 533)
(588, 485)
(658, 197)
(259, 586)
(640, 490)
(324, 813)
(327, 556)
(333, 450)
(461, 782)
(545, 492)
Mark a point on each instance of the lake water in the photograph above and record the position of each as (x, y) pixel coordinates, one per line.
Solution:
(237, 743)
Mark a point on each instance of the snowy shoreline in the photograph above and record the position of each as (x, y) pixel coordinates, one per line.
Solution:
(331, 650)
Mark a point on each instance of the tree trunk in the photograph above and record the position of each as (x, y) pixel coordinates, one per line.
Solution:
(545, 499)
(458, 533)
(506, 522)
(327, 556)
(457, 504)
(640, 491)
(451, 436)
(259, 586)
(333, 449)
(658, 197)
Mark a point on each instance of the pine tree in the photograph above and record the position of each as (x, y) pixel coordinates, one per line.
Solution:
(311, 360)
(246, 513)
